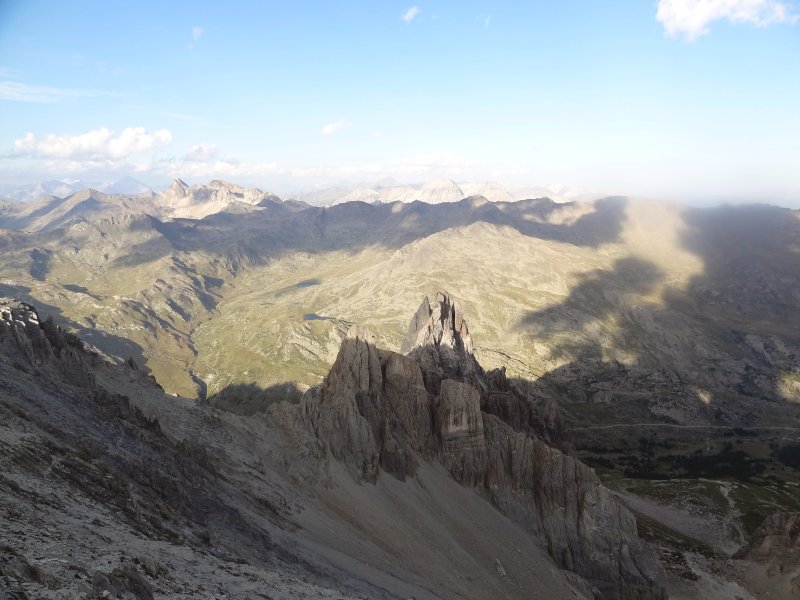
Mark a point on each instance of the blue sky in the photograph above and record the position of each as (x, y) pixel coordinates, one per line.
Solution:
(693, 100)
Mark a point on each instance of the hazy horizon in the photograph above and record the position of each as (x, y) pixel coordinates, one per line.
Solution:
(686, 101)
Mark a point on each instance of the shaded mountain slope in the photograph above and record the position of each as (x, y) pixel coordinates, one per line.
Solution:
(138, 493)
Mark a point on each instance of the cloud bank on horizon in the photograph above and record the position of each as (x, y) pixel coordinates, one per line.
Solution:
(99, 143)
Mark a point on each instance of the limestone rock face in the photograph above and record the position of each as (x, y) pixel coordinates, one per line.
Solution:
(378, 410)
(407, 401)
(776, 547)
(587, 530)
(38, 344)
(440, 325)
(438, 338)
(511, 404)
(20, 327)
(335, 415)
(777, 538)
(460, 425)
(372, 409)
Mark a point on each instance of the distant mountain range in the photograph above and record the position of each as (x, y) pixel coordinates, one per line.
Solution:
(436, 192)
(384, 191)
(180, 200)
(657, 343)
(58, 204)
(67, 187)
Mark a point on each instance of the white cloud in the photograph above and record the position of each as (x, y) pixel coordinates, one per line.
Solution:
(97, 144)
(102, 152)
(214, 168)
(197, 33)
(332, 128)
(148, 167)
(202, 152)
(409, 15)
(690, 18)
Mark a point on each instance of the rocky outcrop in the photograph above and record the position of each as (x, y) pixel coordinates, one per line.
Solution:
(442, 326)
(334, 412)
(777, 539)
(21, 332)
(460, 426)
(775, 548)
(438, 339)
(378, 410)
(587, 530)
(33, 343)
(372, 409)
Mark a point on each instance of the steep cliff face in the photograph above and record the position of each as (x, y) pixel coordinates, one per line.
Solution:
(460, 427)
(334, 415)
(775, 550)
(380, 410)
(33, 345)
(778, 536)
(438, 339)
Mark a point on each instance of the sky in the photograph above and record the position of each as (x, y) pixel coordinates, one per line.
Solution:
(690, 100)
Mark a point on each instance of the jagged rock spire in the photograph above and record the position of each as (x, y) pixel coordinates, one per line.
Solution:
(439, 325)
(35, 344)
(438, 338)
(381, 411)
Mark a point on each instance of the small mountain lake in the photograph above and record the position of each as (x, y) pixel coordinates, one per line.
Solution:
(315, 317)
(307, 283)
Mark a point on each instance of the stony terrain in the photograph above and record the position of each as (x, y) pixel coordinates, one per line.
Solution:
(147, 495)
(402, 475)
(656, 343)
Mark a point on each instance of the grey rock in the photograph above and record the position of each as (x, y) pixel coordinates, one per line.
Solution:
(122, 583)
(499, 567)
(380, 410)
(335, 413)
(778, 537)
(438, 338)
(460, 425)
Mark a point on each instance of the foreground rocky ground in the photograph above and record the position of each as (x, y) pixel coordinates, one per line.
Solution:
(417, 475)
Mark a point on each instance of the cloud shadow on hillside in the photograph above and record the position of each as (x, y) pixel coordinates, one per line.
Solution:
(248, 399)
(698, 338)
